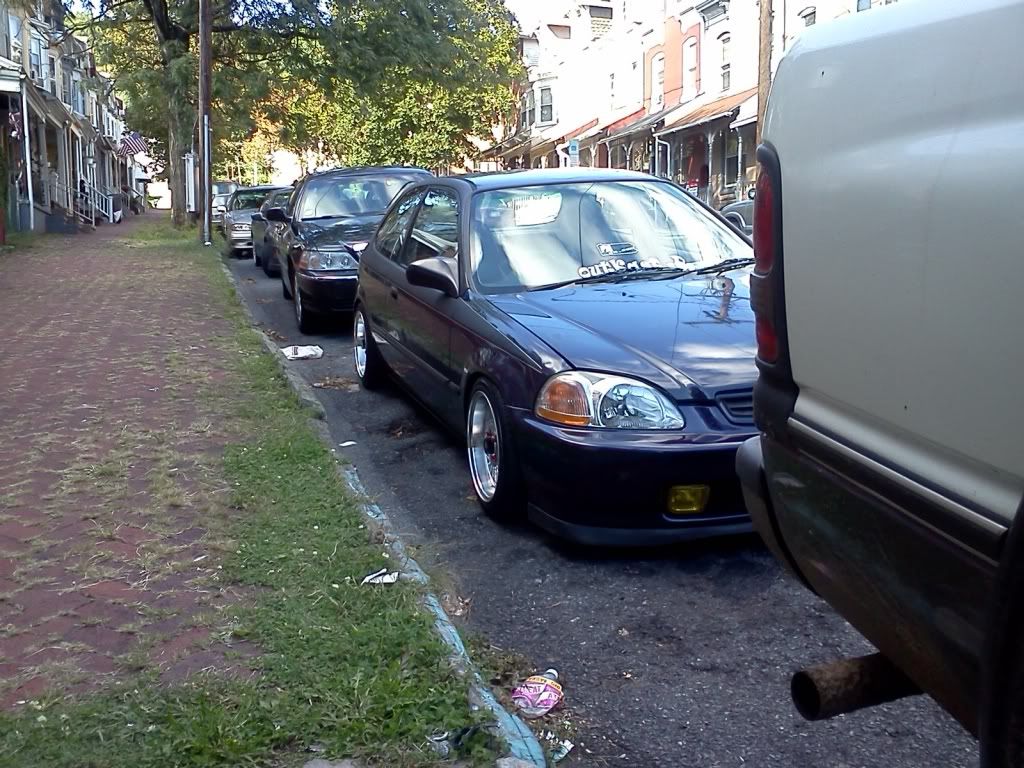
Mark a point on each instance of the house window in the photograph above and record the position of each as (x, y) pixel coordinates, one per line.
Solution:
(724, 39)
(547, 113)
(863, 5)
(731, 161)
(51, 80)
(809, 15)
(658, 82)
(527, 111)
(690, 68)
(35, 59)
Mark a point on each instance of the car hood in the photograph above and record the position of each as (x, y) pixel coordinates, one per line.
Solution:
(692, 336)
(349, 229)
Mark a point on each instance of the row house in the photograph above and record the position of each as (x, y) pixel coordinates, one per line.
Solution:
(64, 124)
(663, 86)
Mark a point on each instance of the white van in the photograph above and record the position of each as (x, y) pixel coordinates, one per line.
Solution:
(889, 238)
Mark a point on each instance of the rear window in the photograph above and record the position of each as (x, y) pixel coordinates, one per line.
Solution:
(339, 196)
(248, 199)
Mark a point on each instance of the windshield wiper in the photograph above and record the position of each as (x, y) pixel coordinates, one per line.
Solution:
(722, 266)
(614, 277)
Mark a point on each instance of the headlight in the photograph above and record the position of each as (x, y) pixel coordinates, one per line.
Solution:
(330, 259)
(584, 399)
(241, 227)
(358, 247)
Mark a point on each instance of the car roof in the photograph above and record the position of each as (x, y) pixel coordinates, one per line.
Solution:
(260, 188)
(538, 176)
(368, 170)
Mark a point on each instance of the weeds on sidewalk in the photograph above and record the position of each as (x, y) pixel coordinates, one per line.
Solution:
(356, 670)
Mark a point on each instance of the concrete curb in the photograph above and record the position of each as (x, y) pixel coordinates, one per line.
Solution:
(517, 735)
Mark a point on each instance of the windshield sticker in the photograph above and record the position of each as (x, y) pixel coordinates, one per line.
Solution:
(616, 249)
(608, 266)
(536, 209)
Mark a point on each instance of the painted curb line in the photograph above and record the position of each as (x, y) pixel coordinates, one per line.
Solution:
(521, 741)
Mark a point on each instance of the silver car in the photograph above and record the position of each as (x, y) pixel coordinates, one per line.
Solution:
(242, 204)
(221, 191)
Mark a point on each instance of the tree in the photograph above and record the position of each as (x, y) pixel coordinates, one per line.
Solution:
(150, 46)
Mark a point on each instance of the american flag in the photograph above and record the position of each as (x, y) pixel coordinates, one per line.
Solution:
(131, 144)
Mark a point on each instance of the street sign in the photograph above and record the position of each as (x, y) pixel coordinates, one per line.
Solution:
(574, 153)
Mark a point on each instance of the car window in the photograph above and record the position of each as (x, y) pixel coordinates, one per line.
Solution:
(289, 207)
(331, 197)
(528, 237)
(391, 235)
(281, 198)
(436, 230)
(247, 199)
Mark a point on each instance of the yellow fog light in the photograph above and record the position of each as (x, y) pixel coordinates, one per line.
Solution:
(687, 499)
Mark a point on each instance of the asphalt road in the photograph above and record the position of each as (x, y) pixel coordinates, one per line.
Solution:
(670, 657)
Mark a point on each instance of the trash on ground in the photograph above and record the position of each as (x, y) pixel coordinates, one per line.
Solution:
(299, 352)
(559, 747)
(381, 577)
(347, 444)
(337, 382)
(538, 694)
(446, 743)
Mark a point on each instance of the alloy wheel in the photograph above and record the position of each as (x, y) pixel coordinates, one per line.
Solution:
(484, 446)
(359, 347)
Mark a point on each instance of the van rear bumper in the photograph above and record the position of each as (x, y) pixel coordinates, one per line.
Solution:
(753, 481)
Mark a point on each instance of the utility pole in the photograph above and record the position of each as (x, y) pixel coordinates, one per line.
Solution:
(206, 181)
(764, 64)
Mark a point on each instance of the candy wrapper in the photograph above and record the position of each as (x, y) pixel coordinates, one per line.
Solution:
(538, 695)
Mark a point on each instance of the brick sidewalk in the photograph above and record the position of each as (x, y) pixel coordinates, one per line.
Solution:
(110, 438)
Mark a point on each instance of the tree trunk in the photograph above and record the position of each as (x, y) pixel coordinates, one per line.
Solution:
(176, 171)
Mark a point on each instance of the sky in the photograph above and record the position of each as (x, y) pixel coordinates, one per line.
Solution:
(527, 11)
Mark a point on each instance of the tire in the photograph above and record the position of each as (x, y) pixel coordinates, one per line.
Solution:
(256, 258)
(267, 256)
(1001, 716)
(285, 290)
(490, 452)
(304, 319)
(374, 370)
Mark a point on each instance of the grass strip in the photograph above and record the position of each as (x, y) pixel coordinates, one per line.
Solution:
(356, 670)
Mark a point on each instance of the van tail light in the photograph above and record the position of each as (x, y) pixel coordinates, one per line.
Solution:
(766, 239)
(764, 226)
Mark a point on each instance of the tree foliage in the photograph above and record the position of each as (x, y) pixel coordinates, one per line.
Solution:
(356, 80)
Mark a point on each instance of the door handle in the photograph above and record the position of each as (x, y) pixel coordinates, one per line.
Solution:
(394, 293)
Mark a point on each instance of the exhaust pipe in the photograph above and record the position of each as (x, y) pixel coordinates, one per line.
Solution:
(846, 685)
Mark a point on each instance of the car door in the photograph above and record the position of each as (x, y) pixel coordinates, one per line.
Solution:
(422, 315)
(381, 265)
(284, 235)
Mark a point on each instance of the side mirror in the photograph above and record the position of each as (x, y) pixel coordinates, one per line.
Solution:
(276, 214)
(750, 193)
(437, 273)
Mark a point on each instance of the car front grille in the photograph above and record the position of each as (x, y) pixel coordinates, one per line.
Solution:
(738, 405)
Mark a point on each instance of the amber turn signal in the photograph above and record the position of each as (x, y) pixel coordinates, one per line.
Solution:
(563, 400)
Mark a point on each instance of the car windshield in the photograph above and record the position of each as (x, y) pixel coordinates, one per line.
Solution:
(337, 196)
(533, 237)
(248, 199)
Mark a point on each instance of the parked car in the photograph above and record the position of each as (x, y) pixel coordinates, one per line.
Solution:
(242, 204)
(741, 214)
(328, 221)
(589, 332)
(260, 227)
(221, 191)
(890, 470)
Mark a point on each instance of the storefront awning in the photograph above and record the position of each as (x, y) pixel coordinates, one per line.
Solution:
(715, 110)
(647, 123)
(10, 76)
(747, 113)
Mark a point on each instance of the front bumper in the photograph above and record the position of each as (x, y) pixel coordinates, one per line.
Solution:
(602, 487)
(328, 292)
